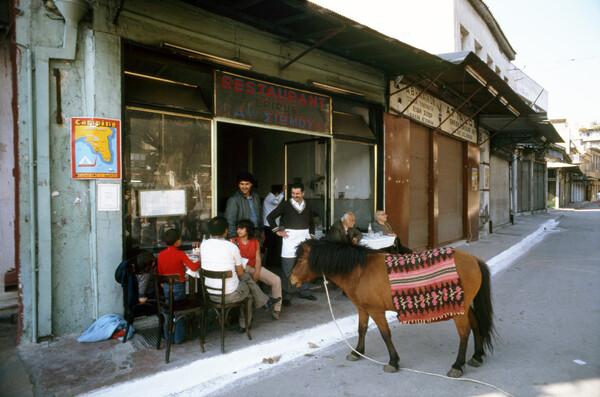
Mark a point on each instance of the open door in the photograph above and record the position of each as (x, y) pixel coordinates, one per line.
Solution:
(307, 162)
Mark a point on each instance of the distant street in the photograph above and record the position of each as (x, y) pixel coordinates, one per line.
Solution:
(547, 316)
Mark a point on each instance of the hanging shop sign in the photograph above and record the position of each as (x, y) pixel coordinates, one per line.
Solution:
(255, 101)
(431, 111)
(95, 148)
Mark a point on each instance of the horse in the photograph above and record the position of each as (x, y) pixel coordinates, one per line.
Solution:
(362, 274)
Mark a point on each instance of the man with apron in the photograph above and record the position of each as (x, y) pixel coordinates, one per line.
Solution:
(295, 225)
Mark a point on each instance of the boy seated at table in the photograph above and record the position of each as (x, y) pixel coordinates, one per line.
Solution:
(174, 261)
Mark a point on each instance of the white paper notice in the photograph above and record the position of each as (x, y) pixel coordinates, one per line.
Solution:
(109, 197)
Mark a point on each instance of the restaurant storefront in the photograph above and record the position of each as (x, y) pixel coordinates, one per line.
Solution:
(184, 147)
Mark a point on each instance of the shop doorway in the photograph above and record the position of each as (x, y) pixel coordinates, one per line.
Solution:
(273, 157)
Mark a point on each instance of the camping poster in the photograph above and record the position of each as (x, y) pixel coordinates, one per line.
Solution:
(95, 148)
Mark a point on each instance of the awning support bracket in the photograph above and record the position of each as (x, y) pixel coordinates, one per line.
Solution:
(456, 109)
(473, 115)
(407, 87)
(421, 93)
(316, 45)
(498, 131)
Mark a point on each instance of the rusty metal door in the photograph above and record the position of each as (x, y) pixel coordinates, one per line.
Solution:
(450, 183)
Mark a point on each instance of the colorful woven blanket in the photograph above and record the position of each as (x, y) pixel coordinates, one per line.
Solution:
(425, 286)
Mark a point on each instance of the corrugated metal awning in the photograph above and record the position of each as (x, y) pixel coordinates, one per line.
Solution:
(307, 23)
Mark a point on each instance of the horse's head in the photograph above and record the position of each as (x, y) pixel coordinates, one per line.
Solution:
(302, 272)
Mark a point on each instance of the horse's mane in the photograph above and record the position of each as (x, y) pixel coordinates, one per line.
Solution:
(333, 257)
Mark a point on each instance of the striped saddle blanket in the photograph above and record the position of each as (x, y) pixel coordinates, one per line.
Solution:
(425, 286)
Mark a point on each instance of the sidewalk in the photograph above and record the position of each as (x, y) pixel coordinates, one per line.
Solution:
(65, 367)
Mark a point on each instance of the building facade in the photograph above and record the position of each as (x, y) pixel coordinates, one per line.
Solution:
(134, 117)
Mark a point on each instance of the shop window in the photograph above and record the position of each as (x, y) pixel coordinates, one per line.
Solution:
(353, 169)
(167, 170)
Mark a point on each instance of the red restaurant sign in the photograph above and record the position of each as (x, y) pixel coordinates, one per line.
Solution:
(245, 99)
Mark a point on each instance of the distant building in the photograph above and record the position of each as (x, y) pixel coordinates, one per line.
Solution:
(469, 25)
(588, 137)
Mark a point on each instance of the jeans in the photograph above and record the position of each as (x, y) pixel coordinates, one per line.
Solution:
(178, 294)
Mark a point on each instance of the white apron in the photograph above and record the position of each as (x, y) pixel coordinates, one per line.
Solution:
(289, 244)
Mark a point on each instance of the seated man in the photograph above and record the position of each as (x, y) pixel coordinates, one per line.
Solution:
(344, 230)
(219, 254)
(381, 225)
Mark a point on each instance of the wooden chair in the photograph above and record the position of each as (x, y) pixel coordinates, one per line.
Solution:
(169, 309)
(218, 305)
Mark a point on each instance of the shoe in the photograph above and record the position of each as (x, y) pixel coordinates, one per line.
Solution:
(287, 302)
(275, 315)
(269, 305)
(309, 297)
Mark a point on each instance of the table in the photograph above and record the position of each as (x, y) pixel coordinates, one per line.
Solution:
(377, 242)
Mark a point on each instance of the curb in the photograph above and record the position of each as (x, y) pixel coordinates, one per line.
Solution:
(509, 256)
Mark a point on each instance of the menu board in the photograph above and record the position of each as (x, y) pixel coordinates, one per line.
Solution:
(162, 202)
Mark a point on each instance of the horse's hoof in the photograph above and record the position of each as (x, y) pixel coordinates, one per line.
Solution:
(474, 363)
(455, 373)
(390, 369)
(352, 357)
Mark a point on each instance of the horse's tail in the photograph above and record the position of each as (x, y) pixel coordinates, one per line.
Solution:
(482, 304)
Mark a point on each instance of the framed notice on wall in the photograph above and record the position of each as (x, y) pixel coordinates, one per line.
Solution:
(162, 202)
(95, 148)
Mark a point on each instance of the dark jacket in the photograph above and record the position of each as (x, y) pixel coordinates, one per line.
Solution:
(238, 208)
(128, 281)
(338, 233)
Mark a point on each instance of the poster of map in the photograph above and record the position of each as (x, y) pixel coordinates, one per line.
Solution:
(95, 148)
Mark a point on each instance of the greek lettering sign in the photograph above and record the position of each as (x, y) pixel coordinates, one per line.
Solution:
(95, 148)
(431, 111)
(241, 98)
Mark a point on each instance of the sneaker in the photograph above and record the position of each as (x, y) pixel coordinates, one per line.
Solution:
(275, 314)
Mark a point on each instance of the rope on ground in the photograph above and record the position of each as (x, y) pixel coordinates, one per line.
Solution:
(325, 282)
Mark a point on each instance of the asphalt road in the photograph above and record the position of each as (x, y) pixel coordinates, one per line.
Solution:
(547, 308)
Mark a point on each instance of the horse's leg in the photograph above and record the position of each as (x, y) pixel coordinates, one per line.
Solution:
(477, 358)
(464, 329)
(384, 329)
(363, 322)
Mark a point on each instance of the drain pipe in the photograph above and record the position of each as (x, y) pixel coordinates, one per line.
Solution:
(32, 201)
(72, 11)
